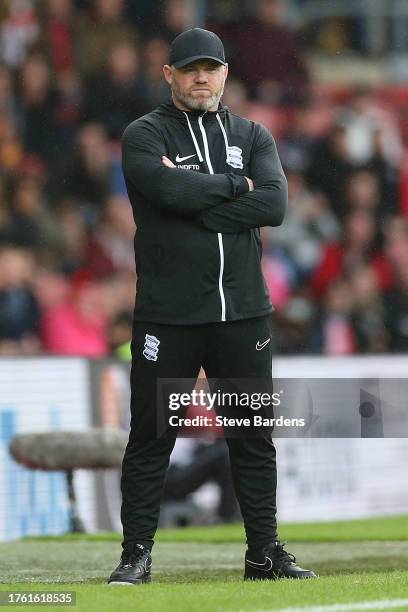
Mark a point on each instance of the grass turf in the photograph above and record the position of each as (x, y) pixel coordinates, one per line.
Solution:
(364, 530)
(201, 568)
(232, 595)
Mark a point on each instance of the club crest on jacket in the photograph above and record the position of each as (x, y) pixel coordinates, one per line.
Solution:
(234, 157)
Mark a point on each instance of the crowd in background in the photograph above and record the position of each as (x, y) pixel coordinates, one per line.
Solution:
(73, 74)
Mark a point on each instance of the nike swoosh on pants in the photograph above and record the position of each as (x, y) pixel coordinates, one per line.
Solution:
(260, 346)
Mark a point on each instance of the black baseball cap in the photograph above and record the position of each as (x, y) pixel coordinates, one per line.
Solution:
(196, 44)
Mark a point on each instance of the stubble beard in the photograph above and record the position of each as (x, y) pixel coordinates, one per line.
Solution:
(194, 104)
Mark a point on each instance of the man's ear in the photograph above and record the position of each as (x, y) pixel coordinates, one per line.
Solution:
(226, 70)
(168, 73)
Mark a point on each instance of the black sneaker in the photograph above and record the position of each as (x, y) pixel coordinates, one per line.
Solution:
(273, 562)
(134, 566)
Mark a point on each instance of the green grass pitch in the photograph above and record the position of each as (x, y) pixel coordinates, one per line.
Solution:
(201, 569)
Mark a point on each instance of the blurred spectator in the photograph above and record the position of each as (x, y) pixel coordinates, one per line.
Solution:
(50, 288)
(18, 30)
(145, 15)
(330, 168)
(308, 224)
(3, 206)
(74, 243)
(237, 99)
(68, 109)
(77, 326)
(178, 15)
(37, 107)
(102, 27)
(396, 299)
(396, 313)
(57, 34)
(11, 149)
(294, 324)
(155, 55)
(116, 97)
(278, 271)
(334, 333)
(34, 169)
(295, 145)
(369, 126)
(120, 334)
(387, 176)
(29, 224)
(359, 246)
(302, 126)
(19, 313)
(110, 248)
(57, 42)
(362, 191)
(333, 34)
(118, 293)
(267, 56)
(368, 311)
(88, 178)
(367, 188)
(403, 186)
(364, 138)
(396, 243)
(8, 101)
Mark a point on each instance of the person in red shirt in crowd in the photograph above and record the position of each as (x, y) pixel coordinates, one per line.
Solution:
(78, 325)
(358, 246)
(110, 247)
(57, 19)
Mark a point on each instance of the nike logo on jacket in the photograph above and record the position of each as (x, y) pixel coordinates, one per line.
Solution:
(181, 159)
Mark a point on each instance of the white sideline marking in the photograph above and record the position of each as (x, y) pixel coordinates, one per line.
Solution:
(380, 604)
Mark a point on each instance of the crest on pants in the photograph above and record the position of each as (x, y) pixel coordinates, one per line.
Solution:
(151, 347)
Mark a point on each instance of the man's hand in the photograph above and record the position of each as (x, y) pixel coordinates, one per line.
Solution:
(250, 183)
(167, 162)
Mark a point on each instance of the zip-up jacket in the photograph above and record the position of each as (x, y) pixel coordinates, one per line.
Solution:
(197, 243)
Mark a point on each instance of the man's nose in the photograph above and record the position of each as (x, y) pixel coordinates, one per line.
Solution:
(201, 76)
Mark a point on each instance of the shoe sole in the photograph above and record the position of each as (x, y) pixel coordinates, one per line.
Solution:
(121, 583)
(277, 577)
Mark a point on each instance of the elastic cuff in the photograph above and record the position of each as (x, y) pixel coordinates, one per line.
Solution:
(258, 545)
(239, 184)
(146, 543)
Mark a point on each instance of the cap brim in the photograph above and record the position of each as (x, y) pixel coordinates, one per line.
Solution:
(194, 58)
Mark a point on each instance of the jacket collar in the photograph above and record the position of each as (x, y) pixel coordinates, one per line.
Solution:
(169, 108)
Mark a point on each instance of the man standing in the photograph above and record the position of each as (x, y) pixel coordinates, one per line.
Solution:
(201, 181)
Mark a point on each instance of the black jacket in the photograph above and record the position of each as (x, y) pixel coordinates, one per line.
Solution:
(197, 244)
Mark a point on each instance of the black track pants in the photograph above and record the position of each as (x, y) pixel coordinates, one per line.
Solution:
(227, 349)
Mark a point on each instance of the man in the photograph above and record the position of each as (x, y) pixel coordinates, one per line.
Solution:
(196, 462)
(201, 182)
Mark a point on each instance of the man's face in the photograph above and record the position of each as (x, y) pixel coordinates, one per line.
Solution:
(197, 86)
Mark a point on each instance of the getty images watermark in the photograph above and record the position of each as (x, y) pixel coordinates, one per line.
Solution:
(209, 401)
(290, 407)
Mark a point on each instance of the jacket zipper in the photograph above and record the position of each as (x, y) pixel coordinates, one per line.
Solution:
(220, 242)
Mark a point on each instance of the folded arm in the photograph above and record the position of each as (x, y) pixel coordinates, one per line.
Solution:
(171, 189)
(266, 205)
